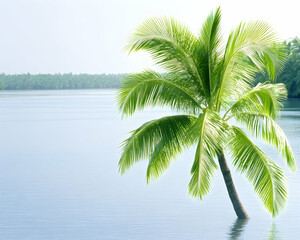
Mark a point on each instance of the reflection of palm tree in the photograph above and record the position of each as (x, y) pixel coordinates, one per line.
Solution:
(274, 234)
(237, 229)
(205, 78)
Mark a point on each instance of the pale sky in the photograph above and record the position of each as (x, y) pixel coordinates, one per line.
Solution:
(88, 36)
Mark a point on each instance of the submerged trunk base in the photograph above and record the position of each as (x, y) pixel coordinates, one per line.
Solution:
(237, 205)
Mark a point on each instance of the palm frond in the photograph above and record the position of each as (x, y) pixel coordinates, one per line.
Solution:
(266, 177)
(166, 133)
(208, 51)
(169, 42)
(153, 89)
(251, 47)
(210, 34)
(164, 152)
(274, 59)
(262, 126)
(263, 98)
(209, 131)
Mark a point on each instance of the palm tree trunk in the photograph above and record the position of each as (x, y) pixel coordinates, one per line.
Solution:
(237, 205)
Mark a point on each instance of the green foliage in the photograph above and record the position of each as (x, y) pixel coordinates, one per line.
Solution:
(153, 89)
(267, 178)
(209, 132)
(290, 75)
(205, 77)
(161, 140)
(264, 127)
(263, 98)
(59, 81)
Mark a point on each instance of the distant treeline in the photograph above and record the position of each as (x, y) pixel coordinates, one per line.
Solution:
(59, 81)
(290, 76)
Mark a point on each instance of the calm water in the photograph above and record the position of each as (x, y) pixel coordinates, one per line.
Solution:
(59, 178)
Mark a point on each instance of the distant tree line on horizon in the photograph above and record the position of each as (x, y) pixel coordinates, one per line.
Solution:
(290, 77)
(59, 81)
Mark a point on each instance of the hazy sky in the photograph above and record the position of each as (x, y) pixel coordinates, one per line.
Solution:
(88, 36)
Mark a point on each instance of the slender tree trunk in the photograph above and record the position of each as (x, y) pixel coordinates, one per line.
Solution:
(237, 205)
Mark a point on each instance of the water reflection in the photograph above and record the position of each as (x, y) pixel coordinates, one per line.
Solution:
(237, 228)
(274, 234)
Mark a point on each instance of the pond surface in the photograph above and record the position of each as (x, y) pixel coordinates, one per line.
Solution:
(59, 153)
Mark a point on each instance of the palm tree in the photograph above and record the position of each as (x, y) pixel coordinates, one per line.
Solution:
(210, 84)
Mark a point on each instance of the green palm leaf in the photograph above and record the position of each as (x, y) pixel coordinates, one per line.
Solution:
(267, 178)
(167, 132)
(209, 131)
(263, 98)
(169, 42)
(262, 126)
(153, 89)
(208, 51)
(250, 47)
